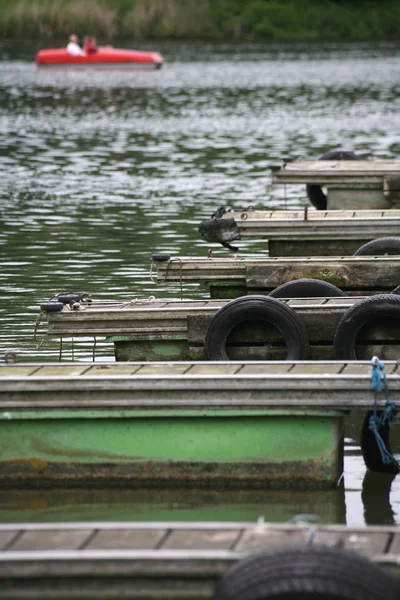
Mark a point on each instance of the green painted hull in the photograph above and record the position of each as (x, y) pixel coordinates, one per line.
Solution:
(204, 447)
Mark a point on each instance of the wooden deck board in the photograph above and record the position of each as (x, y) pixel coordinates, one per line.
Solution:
(195, 539)
(161, 561)
(126, 539)
(335, 171)
(192, 385)
(55, 539)
(369, 543)
(304, 232)
(355, 273)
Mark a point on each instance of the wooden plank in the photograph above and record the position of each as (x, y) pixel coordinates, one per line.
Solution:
(214, 369)
(108, 369)
(354, 369)
(6, 537)
(126, 539)
(287, 216)
(394, 547)
(195, 386)
(320, 368)
(366, 542)
(55, 370)
(55, 539)
(331, 171)
(195, 539)
(262, 538)
(16, 370)
(348, 273)
(265, 368)
(162, 369)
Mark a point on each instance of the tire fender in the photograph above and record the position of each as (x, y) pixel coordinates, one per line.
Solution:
(316, 573)
(256, 308)
(314, 192)
(306, 288)
(380, 247)
(357, 316)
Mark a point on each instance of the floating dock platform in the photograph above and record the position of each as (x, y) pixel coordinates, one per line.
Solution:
(233, 277)
(181, 424)
(350, 184)
(159, 561)
(168, 329)
(303, 232)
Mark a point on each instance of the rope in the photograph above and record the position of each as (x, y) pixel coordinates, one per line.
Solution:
(37, 323)
(378, 375)
(177, 259)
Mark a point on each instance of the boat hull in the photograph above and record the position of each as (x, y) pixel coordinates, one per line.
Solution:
(102, 57)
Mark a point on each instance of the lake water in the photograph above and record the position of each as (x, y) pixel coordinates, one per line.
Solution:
(101, 169)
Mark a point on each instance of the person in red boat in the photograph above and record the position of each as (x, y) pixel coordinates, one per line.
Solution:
(73, 47)
(89, 44)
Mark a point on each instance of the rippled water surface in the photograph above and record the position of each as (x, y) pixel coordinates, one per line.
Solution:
(100, 169)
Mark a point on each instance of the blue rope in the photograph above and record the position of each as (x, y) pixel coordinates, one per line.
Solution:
(378, 375)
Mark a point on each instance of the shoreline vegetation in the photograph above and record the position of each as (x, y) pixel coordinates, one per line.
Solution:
(219, 20)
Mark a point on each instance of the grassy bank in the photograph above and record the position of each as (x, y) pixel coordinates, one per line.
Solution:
(253, 20)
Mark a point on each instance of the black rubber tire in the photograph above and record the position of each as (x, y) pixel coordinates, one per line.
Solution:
(52, 306)
(314, 192)
(68, 298)
(161, 257)
(357, 316)
(253, 308)
(396, 290)
(306, 288)
(380, 247)
(316, 573)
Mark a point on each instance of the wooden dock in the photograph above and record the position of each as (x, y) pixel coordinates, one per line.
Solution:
(233, 277)
(304, 232)
(350, 183)
(159, 561)
(336, 171)
(174, 424)
(176, 330)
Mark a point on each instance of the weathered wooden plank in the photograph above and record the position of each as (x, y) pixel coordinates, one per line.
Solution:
(335, 171)
(162, 369)
(186, 564)
(6, 538)
(304, 233)
(319, 368)
(13, 370)
(55, 370)
(242, 386)
(367, 542)
(394, 547)
(260, 538)
(212, 369)
(257, 273)
(108, 369)
(265, 368)
(126, 539)
(48, 539)
(195, 539)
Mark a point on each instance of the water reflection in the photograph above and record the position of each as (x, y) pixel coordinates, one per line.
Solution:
(325, 506)
(376, 498)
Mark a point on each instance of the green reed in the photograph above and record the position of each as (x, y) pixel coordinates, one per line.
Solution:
(258, 20)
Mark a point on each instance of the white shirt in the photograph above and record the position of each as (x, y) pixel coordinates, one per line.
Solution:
(74, 49)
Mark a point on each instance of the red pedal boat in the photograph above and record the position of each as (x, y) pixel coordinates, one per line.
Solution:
(103, 56)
